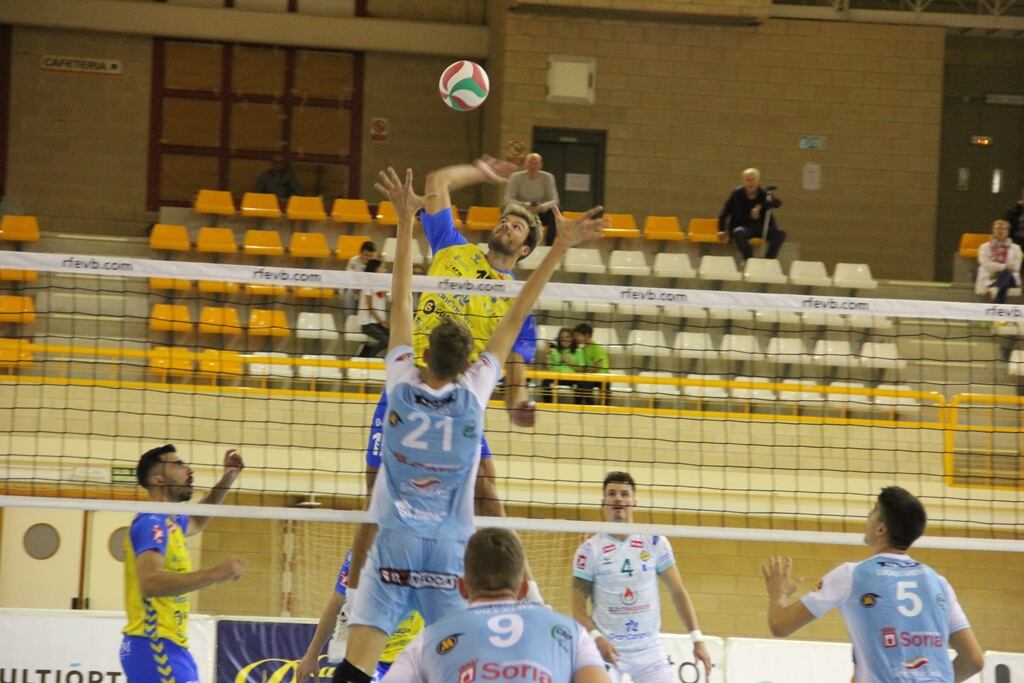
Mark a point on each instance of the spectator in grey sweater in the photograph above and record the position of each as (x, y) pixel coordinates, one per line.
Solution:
(536, 190)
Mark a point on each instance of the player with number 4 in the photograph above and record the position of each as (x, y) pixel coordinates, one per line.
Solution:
(619, 575)
(901, 614)
(423, 495)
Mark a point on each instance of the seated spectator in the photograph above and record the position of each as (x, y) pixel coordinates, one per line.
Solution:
(279, 180)
(595, 359)
(537, 191)
(565, 356)
(357, 264)
(373, 315)
(999, 262)
(744, 214)
(1015, 217)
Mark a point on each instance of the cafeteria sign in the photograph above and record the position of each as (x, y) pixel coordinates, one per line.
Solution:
(89, 65)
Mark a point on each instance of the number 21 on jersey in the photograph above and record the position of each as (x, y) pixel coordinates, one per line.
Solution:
(414, 437)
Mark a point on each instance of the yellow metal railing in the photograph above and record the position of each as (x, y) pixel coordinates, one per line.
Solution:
(954, 409)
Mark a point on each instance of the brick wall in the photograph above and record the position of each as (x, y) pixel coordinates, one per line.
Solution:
(78, 142)
(687, 107)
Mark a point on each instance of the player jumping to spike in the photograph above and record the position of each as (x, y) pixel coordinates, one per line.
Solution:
(423, 495)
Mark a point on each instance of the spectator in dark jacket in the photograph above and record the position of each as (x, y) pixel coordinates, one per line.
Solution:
(744, 214)
(1015, 217)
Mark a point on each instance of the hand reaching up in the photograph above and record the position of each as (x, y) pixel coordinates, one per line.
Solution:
(573, 231)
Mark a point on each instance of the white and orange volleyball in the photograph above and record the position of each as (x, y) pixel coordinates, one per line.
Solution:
(464, 85)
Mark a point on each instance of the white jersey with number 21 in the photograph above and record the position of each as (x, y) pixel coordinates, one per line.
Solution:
(625, 577)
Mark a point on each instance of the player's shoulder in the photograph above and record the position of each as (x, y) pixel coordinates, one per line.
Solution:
(591, 544)
(149, 519)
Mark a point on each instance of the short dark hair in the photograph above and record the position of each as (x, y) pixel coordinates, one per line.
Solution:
(367, 246)
(618, 478)
(534, 227)
(372, 265)
(494, 561)
(149, 460)
(585, 328)
(450, 347)
(903, 515)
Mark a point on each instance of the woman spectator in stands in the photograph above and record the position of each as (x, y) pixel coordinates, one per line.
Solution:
(373, 315)
(564, 355)
(999, 262)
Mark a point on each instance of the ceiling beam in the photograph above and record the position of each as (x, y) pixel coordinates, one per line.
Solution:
(870, 16)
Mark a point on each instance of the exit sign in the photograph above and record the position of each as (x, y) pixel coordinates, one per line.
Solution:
(812, 142)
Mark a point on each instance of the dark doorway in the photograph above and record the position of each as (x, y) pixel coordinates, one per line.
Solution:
(576, 159)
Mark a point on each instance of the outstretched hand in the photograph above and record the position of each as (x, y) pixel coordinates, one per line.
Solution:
(495, 170)
(778, 579)
(573, 231)
(400, 192)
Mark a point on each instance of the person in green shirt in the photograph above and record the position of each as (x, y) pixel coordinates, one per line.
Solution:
(564, 355)
(595, 359)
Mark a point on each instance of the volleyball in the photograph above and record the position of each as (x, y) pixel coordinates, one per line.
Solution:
(464, 85)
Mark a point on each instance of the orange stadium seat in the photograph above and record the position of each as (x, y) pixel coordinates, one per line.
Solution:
(219, 320)
(216, 241)
(217, 287)
(351, 211)
(17, 309)
(622, 225)
(216, 202)
(17, 275)
(663, 228)
(19, 229)
(169, 283)
(704, 230)
(312, 293)
(170, 318)
(169, 238)
(482, 217)
(260, 289)
(305, 208)
(218, 363)
(262, 243)
(170, 360)
(14, 353)
(348, 246)
(386, 213)
(309, 245)
(259, 205)
(970, 242)
(267, 323)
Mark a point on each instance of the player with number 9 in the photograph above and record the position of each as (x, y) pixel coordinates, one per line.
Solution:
(499, 637)
(900, 613)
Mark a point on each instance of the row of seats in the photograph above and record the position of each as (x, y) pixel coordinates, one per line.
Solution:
(799, 394)
(298, 208)
(211, 240)
(181, 362)
(257, 289)
(225, 321)
(741, 347)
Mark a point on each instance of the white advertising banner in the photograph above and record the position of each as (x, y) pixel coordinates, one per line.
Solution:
(75, 646)
(752, 660)
(1003, 667)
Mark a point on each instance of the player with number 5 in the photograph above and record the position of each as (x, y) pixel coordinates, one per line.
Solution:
(901, 614)
(423, 494)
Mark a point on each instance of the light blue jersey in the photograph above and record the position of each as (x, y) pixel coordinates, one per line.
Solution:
(899, 613)
(431, 449)
(512, 642)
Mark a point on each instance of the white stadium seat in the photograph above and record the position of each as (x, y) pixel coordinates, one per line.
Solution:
(854, 276)
(800, 395)
(786, 350)
(834, 353)
(809, 274)
(848, 400)
(1016, 365)
(881, 355)
(900, 403)
(316, 326)
(694, 345)
(657, 389)
(753, 394)
(719, 268)
(740, 347)
(354, 331)
(623, 262)
(704, 391)
(674, 266)
(366, 374)
(533, 260)
(648, 343)
(388, 252)
(764, 271)
(584, 260)
(318, 372)
(258, 369)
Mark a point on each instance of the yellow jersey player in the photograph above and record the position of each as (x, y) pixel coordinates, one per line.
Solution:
(158, 574)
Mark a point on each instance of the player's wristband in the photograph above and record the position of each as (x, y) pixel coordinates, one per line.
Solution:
(595, 634)
(696, 636)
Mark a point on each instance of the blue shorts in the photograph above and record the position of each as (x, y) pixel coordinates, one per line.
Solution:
(406, 572)
(377, 435)
(156, 661)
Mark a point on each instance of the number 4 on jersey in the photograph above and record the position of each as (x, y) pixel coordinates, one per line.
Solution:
(627, 568)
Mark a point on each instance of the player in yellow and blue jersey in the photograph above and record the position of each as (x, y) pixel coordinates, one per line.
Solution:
(158, 572)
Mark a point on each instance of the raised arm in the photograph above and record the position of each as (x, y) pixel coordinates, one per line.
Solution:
(570, 233)
(442, 182)
(407, 203)
(233, 466)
